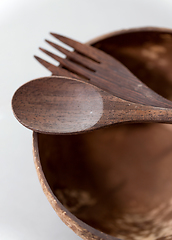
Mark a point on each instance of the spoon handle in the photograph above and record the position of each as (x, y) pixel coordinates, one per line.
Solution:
(117, 110)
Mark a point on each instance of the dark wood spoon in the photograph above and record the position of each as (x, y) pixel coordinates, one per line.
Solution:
(59, 105)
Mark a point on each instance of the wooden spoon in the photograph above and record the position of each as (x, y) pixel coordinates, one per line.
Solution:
(59, 105)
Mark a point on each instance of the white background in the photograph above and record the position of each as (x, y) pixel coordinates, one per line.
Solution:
(25, 213)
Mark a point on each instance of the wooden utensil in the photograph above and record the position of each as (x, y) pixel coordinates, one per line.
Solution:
(101, 70)
(56, 105)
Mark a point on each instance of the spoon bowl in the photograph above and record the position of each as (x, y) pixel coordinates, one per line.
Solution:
(59, 105)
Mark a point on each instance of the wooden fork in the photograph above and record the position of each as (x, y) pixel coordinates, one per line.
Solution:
(101, 70)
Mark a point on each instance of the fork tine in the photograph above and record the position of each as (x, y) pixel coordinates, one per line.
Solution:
(88, 51)
(59, 48)
(56, 70)
(91, 52)
(76, 57)
(52, 68)
(70, 65)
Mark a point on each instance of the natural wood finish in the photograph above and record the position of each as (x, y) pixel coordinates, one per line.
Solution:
(117, 180)
(57, 105)
(93, 163)
(103, 71)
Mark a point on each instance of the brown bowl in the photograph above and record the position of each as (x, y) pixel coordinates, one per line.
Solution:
(116, 182)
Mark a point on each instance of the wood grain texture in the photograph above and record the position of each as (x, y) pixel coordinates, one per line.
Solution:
(103, 71)
(57, 105)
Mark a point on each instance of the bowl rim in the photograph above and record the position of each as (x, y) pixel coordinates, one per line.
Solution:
(127, 30)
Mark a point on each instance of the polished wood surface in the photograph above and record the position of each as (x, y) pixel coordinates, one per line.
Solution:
(103, 71)
(56, 105)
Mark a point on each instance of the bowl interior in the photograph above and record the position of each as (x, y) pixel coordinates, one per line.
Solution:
(118, 179)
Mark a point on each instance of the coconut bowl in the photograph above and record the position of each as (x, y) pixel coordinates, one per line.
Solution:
(116, 182)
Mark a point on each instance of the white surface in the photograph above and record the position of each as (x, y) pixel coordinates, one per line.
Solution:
(25, 213)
